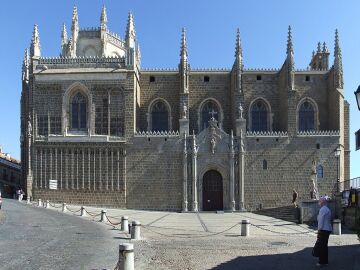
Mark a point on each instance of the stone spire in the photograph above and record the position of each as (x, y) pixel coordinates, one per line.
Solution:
(64, 40)
(103, 18)
(289, 49)
(74, 30)
(325, 48)
(238, 49)
(338, 71)
(290, 61)
(184, 63)
(130, 35)
(238, 64)
(319, 47)
(183, 48)
(25, 66)
(35, 48)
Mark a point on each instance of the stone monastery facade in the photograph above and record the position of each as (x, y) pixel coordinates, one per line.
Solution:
(97, 129)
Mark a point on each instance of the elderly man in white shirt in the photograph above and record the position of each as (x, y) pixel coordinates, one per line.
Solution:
(324, 230)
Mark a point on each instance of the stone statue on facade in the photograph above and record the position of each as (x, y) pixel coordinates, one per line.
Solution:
(184, 110)
(29, 127)
(240, 111)
(314, 192)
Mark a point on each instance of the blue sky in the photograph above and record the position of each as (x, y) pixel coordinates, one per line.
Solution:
(211, 31)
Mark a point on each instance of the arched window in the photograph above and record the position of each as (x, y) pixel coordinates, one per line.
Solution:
(78, 112)
(320, 171)
(160, 117)
(208, 110)
(306, 116)
(259, 116)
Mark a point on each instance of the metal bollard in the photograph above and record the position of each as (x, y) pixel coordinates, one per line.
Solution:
(64, 207)
(103, 216)
(337, 227)
(46, 204)
(28, 200)
(125, 224)
(126, 257)
(83, 213)
(245, 227)
(39, 202)
(135, 230)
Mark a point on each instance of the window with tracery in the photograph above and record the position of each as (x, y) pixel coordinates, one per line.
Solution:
(159, 117)
(78, 112)
(306, 117)
(259, 116)
(101, 117)
(208, 110)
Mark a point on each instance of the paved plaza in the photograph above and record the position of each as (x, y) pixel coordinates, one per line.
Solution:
(205, 241)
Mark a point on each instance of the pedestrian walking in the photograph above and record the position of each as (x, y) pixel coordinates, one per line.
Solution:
(320, 249)
(295, 197)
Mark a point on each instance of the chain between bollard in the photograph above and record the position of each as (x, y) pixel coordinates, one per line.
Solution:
(92, 214)
(112, 223)
(282, 233)
(192, 236)
(54, 205)
(73, 211)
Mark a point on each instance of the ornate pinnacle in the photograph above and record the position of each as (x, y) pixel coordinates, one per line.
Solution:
(183, 51)
(338, 62)
(25, 66)
(35, 42)
(64, 35)
(103, 18)
(337, 50)
(290, 49)
(75, 14)
(130, 27)
(319, 47)
(324, 48)
(35, 36)
(238, 49)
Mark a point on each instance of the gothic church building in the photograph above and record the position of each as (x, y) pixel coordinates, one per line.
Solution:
(97, 129)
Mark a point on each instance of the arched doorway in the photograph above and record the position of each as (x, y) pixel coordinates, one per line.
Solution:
(212, 191)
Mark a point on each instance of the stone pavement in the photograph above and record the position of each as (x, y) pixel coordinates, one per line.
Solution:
(212, 241)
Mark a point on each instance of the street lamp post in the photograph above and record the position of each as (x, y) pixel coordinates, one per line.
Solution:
(357, 134)
(357, 95)
(337, 153)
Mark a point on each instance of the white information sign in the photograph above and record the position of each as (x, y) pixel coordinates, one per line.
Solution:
(53, 184)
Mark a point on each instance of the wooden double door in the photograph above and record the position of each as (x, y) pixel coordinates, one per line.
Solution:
(212, 191)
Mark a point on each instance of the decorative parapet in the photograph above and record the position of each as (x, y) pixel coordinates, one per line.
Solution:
(79, 138)
(115, 39)
(159, 69)
(210, 70)
(261, 69)
(156, 133)
(80, 62)
(266, 134)
(319, 133)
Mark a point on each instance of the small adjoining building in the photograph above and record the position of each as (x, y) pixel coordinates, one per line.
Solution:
(10, 175)
(97, 129)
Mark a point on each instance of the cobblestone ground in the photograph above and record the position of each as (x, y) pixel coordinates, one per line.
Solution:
(212, 241)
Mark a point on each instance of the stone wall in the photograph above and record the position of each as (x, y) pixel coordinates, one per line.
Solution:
(154, 173)
(83, 197)
(289, 164)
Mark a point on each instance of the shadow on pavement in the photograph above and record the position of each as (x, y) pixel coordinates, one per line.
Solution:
(340, 257)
